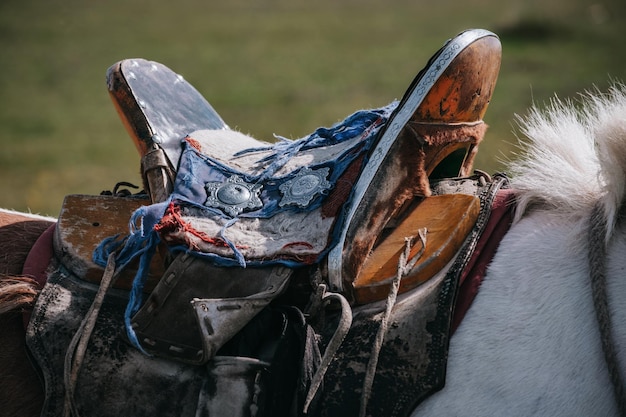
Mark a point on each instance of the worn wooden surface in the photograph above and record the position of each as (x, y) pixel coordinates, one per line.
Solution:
(463, 92)
(157, 106)
(84, 222)
(447, 219)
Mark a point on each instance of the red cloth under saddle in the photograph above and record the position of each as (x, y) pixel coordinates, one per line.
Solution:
(498, 225)
(38, 259)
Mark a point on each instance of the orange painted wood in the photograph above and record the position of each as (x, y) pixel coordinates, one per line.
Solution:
(84, 222)
(464, 90)
(448, 219)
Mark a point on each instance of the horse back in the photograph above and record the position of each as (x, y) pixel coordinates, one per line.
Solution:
(18, 233)
(21, 392)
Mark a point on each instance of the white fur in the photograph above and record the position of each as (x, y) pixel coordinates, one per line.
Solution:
(32, 216)
(530, 344)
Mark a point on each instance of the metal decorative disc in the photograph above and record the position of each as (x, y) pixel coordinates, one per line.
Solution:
(233, 195)
(302, 188)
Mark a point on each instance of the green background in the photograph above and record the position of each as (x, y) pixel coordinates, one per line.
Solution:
(268, 67)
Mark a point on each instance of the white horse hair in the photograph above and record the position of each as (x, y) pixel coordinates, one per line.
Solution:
(29, 216)
(530, 344)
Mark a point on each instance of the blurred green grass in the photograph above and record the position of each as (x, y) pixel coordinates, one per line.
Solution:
(268, 67)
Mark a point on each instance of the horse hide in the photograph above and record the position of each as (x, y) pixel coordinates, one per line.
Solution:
(21, 394)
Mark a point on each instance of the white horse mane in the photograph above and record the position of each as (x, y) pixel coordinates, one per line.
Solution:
(575, 156)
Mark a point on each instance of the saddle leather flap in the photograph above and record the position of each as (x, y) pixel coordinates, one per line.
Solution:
(197, 306)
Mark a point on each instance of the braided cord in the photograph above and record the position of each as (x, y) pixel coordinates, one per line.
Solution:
(597, 270)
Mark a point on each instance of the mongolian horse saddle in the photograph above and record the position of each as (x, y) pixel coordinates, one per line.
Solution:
(247, 259)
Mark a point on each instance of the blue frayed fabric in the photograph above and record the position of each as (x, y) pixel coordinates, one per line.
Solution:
(196, 170)
(353, 126)
(142, 243)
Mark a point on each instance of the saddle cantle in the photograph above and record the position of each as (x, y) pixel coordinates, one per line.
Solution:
(156, 106)
(236, 224)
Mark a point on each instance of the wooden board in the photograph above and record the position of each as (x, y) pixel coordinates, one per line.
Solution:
(157, 106)
(84, 222)
(448, 219)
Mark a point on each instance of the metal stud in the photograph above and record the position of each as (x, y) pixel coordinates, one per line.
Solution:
(301, 189)
(233, 195)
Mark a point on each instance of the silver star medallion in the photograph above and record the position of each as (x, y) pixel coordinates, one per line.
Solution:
(233, 195)
(302, 188)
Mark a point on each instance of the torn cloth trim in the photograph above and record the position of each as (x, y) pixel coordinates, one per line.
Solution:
(190, 190)
(198, 170)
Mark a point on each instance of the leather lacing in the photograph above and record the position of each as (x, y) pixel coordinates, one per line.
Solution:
(323, 297)
(404, 267)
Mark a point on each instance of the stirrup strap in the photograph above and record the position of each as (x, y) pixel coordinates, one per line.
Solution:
(343, 327)
(78, 346)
